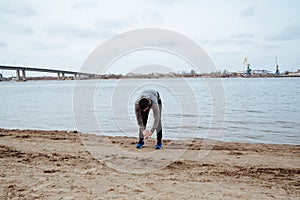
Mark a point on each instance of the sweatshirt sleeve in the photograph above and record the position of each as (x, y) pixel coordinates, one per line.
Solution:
(139, 118)
(156, 117)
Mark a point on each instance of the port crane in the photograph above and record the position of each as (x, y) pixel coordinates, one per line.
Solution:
(277, 73)
(247, 65)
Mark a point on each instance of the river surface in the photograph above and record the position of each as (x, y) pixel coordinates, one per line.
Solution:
(256, 110)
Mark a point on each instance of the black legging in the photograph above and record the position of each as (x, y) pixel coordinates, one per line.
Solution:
(159, 127)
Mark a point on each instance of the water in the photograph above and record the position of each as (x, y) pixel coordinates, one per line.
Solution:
(262, 110)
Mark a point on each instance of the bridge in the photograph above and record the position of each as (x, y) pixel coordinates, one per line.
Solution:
(60, 73)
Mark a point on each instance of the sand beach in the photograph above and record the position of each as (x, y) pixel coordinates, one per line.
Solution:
(69, 165)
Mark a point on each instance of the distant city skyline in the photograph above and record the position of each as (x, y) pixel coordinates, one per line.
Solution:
(61, 34)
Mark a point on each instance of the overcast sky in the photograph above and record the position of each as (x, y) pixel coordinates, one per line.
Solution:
(61, 34)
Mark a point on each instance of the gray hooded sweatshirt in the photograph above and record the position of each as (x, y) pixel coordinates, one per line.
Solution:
(152, 96)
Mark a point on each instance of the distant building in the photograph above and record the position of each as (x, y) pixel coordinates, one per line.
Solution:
(171, 74)
(293, 74)
(261, 72)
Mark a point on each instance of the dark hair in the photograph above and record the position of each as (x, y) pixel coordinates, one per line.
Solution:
(144, 103)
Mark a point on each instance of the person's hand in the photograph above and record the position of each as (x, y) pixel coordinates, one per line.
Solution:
(147, 134)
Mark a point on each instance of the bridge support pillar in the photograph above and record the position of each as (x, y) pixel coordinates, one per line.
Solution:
(24, 75)
(63, 76)
(58, 76)
(18, 75)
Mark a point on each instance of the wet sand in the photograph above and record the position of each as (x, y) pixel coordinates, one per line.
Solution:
(57, 165)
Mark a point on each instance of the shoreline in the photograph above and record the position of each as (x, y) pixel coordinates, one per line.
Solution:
(52, 78)
(57, 165)
(165, 138)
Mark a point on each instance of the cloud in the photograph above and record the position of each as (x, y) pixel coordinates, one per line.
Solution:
(134, 20)
(226, 53)
(242, 36)
(109, 24)
(16, 8)
(2, 44)
(236, 39)
(83, 4)
(15, 28)
(288, 33)
(48, 45)
(74, 31)
(249, 12)
(14, 16)
(149, 15)
(270, 46)
(138, 18)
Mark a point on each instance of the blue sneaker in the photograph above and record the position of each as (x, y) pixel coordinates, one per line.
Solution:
(140, 144)
(158, 146)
